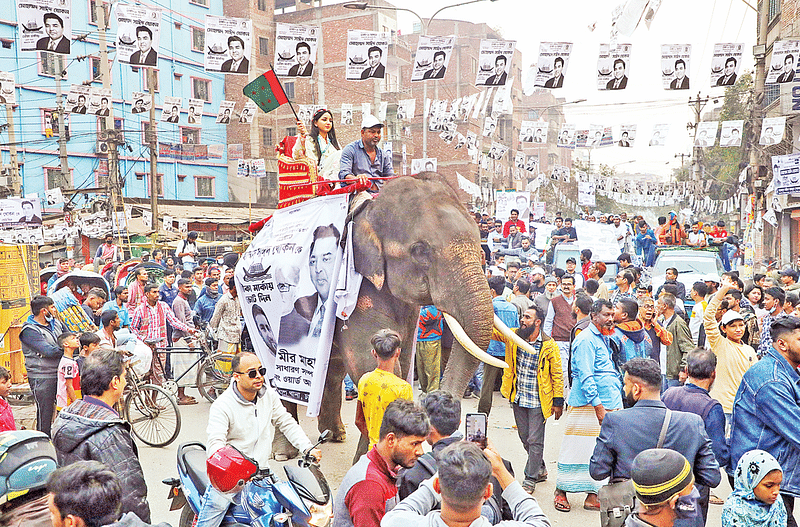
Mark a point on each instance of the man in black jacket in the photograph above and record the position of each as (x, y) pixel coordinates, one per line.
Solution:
(42, 353)
(90, 429)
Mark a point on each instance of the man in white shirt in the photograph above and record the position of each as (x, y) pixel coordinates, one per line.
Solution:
(187, 251)
(623, 232)
(698, 294)
(495, 237)
(697, 238)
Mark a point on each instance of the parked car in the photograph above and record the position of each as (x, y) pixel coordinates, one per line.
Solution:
(692, 265)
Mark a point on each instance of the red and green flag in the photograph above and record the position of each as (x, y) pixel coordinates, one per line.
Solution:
(266, 91)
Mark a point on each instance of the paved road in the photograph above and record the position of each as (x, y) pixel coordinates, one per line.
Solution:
(159, 463)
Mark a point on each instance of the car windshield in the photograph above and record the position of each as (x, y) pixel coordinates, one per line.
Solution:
(686, 265)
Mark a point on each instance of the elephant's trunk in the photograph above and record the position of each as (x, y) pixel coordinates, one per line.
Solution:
(468, 300)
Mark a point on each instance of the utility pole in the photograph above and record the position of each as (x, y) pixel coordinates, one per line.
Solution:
(697, 105)
(62, 130)
(757, 169)
(682, 156)
(153, 142)
(16, 180)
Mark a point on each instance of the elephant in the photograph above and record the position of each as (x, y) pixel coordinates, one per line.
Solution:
(415, 244)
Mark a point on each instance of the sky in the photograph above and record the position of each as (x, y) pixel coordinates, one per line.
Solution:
(587, 24)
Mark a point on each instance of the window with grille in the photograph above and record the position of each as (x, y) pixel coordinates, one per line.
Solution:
(50, 64)
(774, 9)
(291, 131)
(190, 136)
(204, 186)
(198, 39)
(203, 3)
(56, 180)
(201, 89)
(145, 77)
(288, 87)
(771, 93)
(262, 5)
(263, 46)
(266, 136)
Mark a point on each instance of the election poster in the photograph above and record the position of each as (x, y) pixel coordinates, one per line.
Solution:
(772, 130)
(366, 54)
(725, 64)
(46, 25)
(706, 134)
(258, 168)
(406, 109)
(78, 99)
(489, 126)
(347, 113)
(432, 57)
(494, 62)
(675, 66)
(7, 88)
(472, 141)
(286, 281)
(366, 109)
(586, 194)
(627, 135)
(613, 66)
(552, 64)
(497, 151)
(425, 164)
(248, 112)
(20, 213)
(505, 201)
(527, 129)
(566, 137)
(383, 106)
(532, 164)
(171, 111)
(100, 102)
(138, 35)
(228, 44)
(519, 160)
(466, 106)
(786, 174)
(731, 133)
(784, 61)
(225, 113)
(659, 137)
(594, 137)
(296, 49)
(501, 99)
(195, 111)
(23, 235)
(141, 102)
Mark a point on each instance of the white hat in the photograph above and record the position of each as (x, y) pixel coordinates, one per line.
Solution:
(370, 121)
(729, 316)
(538, 270)
(712, 277)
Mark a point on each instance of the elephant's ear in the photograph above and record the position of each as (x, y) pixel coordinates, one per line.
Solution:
(368, 252)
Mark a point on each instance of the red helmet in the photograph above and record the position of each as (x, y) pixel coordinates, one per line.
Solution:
(228, 468)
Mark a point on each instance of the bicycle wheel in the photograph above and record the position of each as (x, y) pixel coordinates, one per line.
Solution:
(214, 375)
(153, 414)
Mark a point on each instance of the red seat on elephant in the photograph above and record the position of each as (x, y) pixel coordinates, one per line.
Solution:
(292, 174)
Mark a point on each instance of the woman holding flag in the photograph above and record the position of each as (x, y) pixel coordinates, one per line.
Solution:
(320, 145)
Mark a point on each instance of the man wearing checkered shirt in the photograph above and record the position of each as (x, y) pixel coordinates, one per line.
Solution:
(533, 383)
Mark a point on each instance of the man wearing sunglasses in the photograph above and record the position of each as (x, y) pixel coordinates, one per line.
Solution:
(245, 416)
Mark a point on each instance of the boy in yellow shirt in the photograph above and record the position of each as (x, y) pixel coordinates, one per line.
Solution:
(378, 388)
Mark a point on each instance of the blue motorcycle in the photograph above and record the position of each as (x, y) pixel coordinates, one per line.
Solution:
(304, 500)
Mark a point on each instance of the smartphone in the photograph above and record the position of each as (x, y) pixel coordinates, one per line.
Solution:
(475, 428)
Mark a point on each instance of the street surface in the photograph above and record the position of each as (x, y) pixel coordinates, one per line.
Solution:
(160, 463)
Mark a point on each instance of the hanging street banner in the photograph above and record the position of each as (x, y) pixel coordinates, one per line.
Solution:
(20, 213)
(425, 164)
(248, 112)
(784, 61)
(138, 35)
(659, 137)
(7, 88)
(78, 99)
(347, 113)
(286, 281)
(494, 62)
(296, 49)
(141, 102)
(507, 200)
(731, 133)
(613, 67)
(229, 44)
(171, 111)
(226, 109)
(45, 25)
(627, 135)
(725, 64)
(706, 134)
(586, 194)
(786, 174)
(100, 102)
(566, 137)
(772, 129)
(552, 65)
(367, 54)
(406, 109)
(432, 57)
(195, 111)
(675, 66)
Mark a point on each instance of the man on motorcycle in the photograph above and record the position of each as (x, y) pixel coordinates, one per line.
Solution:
(245, 416)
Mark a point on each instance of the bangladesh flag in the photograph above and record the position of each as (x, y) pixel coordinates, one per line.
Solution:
(266, 91)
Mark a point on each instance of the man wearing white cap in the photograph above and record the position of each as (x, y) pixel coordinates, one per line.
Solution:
(363, 159)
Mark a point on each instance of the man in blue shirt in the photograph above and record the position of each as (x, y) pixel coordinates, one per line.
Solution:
(646, 244)
(510, 316)
(363, 159)
(118, 305)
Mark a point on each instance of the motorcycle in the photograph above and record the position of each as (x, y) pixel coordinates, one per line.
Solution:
(304, 500)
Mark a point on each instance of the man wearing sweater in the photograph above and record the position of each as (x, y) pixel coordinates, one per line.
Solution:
(245, 416)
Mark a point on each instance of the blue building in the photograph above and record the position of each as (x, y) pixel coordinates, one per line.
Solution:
(198, 172)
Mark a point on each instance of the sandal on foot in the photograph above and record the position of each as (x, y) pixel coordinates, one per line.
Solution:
(561, 503)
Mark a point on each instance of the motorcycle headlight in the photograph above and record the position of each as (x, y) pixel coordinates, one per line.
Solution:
(320, 514)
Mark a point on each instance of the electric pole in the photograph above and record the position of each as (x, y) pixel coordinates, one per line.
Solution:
(697, 105)
(153, 142)
(16, 180)
(62, 130)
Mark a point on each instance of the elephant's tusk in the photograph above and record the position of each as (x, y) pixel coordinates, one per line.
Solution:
(472, 348)
(509, 333)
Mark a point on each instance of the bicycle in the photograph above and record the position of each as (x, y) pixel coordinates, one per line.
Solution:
(151, 411)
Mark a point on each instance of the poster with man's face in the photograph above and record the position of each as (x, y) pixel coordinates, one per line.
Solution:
(7, 88)
(138, 35)
(552, 65)
(295, 49)
(141, 103)
(725, 64)
(627, 135)
(489, 126)
(20, 212)
(228, 44)
(100, 102)
(532, 164)
(46, 25)
(675, 66)
(366, 54)
(783, 66)
(566, 136)
(494, 62)
(423, 165)
(225, 112)
(706, 135)
(772, 129)
(171, 111)
(194, 112)
(248, 112)
(78, 99)
(659, 136)
(613, 66)
(731, 133)
(432, 57)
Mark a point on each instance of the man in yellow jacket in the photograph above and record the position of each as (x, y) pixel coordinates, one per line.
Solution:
(534, 385)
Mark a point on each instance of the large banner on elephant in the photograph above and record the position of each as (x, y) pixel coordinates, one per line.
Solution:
(286, 280)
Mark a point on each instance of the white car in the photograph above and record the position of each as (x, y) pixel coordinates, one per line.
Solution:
(692, 266)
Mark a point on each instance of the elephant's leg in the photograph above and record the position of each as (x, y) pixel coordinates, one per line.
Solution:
(330, 416)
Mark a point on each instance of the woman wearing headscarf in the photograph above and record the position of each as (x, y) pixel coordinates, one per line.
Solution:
(755, 500)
